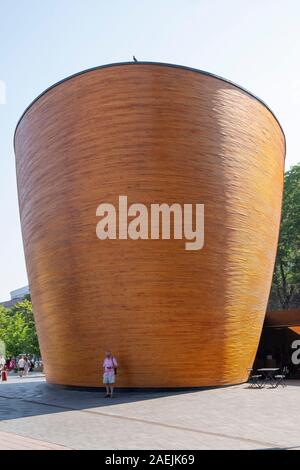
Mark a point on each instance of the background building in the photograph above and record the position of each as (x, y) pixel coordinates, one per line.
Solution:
(16, 296)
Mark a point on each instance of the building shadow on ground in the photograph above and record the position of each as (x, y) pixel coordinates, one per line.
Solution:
(33, 397)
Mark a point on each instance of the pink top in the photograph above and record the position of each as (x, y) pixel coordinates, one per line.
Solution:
(109, 364)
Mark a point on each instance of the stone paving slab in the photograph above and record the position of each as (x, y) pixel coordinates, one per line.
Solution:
(10, 441)
(224, 418)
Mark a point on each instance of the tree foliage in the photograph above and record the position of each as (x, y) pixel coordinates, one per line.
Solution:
(286, 278)
(17, 329)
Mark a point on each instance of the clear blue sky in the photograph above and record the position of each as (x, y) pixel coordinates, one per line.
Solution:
(255, 44)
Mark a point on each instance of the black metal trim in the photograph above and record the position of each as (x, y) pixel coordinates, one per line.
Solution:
(161, 64)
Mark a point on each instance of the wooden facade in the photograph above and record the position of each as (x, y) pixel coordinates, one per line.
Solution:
(156, 133)
(277, 343)
(283, 318)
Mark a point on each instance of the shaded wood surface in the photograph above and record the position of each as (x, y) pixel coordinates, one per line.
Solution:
(288, 317)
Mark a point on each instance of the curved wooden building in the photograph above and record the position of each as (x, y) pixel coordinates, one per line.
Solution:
(157, 133)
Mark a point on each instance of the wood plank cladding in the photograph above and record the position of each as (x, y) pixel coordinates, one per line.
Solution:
(156, 133)
(283, 318)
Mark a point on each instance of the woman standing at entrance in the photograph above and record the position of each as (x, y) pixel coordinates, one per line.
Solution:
(109, 373)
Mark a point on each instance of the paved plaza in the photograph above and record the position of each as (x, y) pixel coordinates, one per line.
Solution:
(35, 415)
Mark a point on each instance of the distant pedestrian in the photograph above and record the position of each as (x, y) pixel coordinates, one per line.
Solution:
(109, 373)
(12, 364)
(2, 362)
(26, 366)
(21, 366)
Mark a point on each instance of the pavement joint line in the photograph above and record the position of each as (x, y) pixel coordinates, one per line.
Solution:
(154, 423)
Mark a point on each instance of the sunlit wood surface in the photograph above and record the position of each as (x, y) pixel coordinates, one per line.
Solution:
(173, 318)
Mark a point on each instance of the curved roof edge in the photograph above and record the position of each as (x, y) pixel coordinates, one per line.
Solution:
(283, 318)
(136, 64)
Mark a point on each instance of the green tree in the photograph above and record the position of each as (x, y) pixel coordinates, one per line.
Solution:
(17, 329)
(286, 278)
(3, 324)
